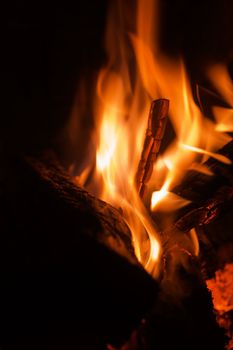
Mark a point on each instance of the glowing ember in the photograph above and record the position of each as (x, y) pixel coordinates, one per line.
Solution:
(222, 289)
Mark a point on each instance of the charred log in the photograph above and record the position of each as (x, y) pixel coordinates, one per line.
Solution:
(68, 269)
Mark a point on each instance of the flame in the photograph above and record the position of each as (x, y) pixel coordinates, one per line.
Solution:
(217, 156)
(222, 82)
(136, 73)
(224, 118)
(219, 76)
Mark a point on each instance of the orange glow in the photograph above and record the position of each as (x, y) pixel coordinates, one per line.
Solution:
(135, 74)
(222, 289)
(224, 119)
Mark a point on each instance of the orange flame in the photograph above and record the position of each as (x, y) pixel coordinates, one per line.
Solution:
(220, 78)
(135, 74)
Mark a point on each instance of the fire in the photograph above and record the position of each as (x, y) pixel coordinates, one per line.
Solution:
(220, 79)
(217, 156)
(107, 147)
(135, 74)
(157, 197)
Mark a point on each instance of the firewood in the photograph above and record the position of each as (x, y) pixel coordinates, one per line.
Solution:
(154, 134)
(211, 197)
(68, 269)
(196, 186)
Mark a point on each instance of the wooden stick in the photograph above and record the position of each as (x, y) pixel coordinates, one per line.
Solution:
(154, 135)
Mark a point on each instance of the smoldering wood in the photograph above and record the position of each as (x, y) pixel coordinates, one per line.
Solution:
(70, 260)
(215, 240)
(154, 134)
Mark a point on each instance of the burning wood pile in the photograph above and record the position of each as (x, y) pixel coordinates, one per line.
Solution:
(132, 249)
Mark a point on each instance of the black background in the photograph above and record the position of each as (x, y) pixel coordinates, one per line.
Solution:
(46, 48)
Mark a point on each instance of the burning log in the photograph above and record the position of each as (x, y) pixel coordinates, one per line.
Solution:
(73, 272)
(210, 196)
(154, 134)
(198, 187)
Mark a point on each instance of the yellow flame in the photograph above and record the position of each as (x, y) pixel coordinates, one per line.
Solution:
(158, 196)
(107, 146)
(166, 201)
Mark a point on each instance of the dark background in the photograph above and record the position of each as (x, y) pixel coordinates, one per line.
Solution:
(47, 48)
